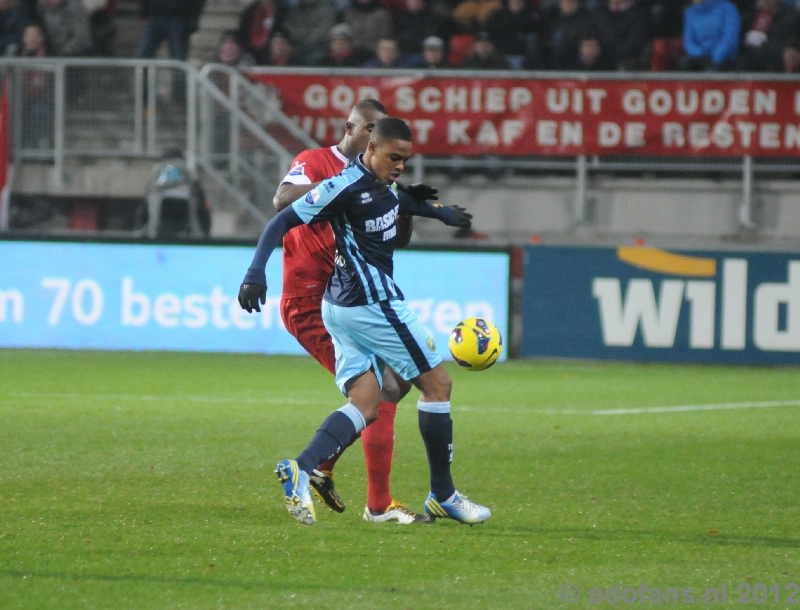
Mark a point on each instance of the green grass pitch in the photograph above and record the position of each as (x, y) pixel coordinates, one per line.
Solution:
(144, 480)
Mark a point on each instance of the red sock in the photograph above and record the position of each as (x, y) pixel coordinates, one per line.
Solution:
(327, 465)
(378, 442)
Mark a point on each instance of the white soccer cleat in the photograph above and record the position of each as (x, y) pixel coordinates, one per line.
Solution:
(461, 509)
(397, 513)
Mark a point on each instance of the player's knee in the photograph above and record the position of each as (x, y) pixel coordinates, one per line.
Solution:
(436, 385)
(369, 410)
(364, 392)
(445, 386)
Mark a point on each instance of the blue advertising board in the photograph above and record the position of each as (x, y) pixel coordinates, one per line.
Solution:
(656, 305)
(183, 297)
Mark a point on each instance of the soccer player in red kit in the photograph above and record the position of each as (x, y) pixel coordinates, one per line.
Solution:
(308, 262)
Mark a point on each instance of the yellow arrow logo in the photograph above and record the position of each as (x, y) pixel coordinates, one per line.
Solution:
(662, 261)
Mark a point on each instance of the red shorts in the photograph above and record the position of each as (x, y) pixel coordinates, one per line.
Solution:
(302, 317)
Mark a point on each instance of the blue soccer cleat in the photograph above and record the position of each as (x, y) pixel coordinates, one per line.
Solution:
(296, 491)
(461, 509)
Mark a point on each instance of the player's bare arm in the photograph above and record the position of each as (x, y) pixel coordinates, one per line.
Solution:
(288, 192)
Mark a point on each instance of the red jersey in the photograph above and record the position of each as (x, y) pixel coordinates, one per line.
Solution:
(308, 250)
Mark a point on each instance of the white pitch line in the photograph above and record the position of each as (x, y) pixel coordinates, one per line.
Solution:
(683, 408)
(643, 410)
(150, 398)
(233, 400)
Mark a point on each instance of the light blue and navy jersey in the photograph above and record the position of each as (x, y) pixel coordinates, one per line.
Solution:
(362, 212)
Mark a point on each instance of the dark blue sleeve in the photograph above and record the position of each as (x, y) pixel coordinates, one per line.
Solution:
(269, 240)
(412, 207)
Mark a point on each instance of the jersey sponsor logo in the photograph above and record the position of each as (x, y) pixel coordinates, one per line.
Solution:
(312, 197)
(382, 222)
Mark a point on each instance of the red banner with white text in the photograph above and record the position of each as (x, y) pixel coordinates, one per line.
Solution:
(511, 116)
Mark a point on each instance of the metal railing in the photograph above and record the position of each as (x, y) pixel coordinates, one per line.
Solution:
(234, 131)
(63, 108)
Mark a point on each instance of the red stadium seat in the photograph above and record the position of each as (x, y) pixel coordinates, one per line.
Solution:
(666, 53)
(460, 46)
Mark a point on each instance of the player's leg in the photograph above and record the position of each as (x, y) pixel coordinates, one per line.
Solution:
(378, 442)
(302, 317)
(357, 332)
(436, 428)
(338, 430)
(358, 375)
(411, 352)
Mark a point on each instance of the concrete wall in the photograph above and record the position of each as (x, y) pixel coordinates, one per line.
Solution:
(669, 212)
(691, 212)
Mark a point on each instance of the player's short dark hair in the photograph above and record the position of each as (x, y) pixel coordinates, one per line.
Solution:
(370, 104)
(390, 128)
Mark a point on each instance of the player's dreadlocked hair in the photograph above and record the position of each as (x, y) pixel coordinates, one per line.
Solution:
(370, 104)
(389, 129)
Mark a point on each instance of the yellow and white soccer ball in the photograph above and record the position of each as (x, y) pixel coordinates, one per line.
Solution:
(475, 344)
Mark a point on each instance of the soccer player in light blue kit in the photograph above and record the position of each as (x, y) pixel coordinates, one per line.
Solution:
(367, 318)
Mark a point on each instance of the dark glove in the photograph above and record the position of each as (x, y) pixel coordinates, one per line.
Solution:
(250, 295)
(419, 192)
(460, 217)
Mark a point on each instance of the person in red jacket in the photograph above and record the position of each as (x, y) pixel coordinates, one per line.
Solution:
(308, 261)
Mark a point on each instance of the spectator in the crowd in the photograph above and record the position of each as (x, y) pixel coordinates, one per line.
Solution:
(173, 21)
(256, 25)
(308, 24)
(369, 21)
(470, 16)
(168, 20)
(342, 53)
(12, 25)
(791, 55)
(623, 27)
(564, 24)
(710, 36)
(66, 27)
(281, 52)
(591, 55)
(37, 91)
(387, 56)
(666, 31)
(433, 54)
(34, 43)
(765, 29)
(101, 25)
(484, 55)
(414, 25)
(513, 29)
(230, 53)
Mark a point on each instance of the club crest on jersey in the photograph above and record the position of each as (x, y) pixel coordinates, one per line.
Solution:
(298, 169)
(366, 197)
(312, 197)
